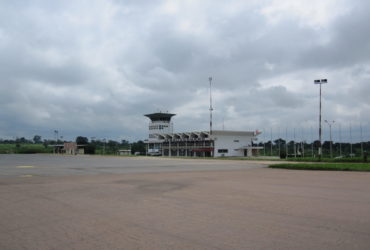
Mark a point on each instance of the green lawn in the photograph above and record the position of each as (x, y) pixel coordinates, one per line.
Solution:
(310, 159)
(325, 166)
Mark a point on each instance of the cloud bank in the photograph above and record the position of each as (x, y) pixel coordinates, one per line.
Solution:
(93, 68)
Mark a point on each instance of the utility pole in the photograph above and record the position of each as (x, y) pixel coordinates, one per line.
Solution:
(210, 114)
(210, 105)
(104, 140)
(331, 142)
(312, 143)
(340, 139)
(350, 138)
(271, 142)
(320, 82)
(56, 150)
(279, 140)
(294, 146)
(264, 142)
(286, 142)
(362, 143)
(302, 142)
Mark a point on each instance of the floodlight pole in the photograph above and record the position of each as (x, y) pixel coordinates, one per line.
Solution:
(56, 141)
(340, 139)
(286, 142)
(210, 115)
(350, 137)
(331, 142)
(320, 82)
(210, 105)
(312, 143)
(362, 144)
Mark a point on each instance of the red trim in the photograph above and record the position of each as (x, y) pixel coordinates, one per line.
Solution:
(202, 150)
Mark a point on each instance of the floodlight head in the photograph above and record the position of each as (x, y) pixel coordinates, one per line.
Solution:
(318, 81)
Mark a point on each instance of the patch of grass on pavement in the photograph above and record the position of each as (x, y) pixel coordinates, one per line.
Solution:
(311, 159)
(325, 166)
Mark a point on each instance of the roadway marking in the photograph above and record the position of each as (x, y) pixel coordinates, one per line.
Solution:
(24, 166)
(26, 175)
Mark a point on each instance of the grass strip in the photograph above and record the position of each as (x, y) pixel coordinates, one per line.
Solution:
(311, 159)
(325, 166)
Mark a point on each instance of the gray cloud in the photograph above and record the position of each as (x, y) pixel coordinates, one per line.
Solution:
(94, 68)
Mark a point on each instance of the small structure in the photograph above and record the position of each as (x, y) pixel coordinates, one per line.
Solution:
(124, 152)
(70, 148)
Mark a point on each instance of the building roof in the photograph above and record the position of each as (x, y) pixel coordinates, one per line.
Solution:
(160, 116)
(202, 135)
(232, 132)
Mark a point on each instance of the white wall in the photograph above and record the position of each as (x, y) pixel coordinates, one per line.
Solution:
(231, 142)
(159, 127)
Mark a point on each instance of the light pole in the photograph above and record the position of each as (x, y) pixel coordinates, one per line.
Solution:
(320, 82)
(210, 105)
(340, 139)
(104, 140)
(350, 138)
(286, 142)
(56, 136)
(279, 140)
(56, 150)
(271, 142)
(362, 144)
(264, 142)
(210, 113)
(331, 142)
(312, 143)
(294, 146)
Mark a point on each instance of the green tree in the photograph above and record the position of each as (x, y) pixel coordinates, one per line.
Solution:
(37, 139)
(139, 147)
(90, 149)
(125, 143)
(112, 146)
(81, 140)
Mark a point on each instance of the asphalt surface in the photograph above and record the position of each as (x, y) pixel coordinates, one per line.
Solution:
(65, 202)
(67, 165)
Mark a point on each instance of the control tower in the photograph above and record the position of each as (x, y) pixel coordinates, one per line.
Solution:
(160, 123)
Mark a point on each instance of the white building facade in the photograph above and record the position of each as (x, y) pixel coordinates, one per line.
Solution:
(219, 143)
(234, 143)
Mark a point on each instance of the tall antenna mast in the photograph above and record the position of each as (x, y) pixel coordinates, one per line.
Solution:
(210, 105)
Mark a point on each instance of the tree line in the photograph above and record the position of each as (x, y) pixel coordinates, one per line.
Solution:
(91, 146)
(299, 148)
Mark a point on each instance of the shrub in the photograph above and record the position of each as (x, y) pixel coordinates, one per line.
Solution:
(29, 150)
(282, 155)
(90, 149)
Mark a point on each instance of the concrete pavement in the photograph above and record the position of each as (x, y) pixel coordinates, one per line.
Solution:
(224, 206)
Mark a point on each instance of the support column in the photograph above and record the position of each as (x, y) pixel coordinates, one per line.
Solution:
(204, 145)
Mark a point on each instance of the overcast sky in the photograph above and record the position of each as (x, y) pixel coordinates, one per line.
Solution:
(95, 67)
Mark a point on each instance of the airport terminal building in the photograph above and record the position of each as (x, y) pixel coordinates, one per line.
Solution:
(217, 143)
